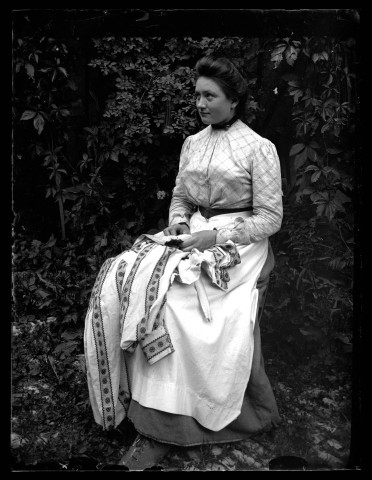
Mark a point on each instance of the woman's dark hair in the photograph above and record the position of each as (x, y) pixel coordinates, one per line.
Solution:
(228, 77)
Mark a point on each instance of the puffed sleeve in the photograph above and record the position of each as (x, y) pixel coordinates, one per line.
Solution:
(266, 200)
(181, 208)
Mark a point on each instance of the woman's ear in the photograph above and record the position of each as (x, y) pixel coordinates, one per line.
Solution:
(234, 103)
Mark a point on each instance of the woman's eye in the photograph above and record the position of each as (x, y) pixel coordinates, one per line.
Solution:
(208, 96)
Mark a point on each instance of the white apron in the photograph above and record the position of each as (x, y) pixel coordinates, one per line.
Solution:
(204, 370)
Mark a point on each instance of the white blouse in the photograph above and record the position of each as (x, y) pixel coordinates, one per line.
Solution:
(230, 168)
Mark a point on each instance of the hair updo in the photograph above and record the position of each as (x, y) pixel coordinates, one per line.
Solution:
(227, 76)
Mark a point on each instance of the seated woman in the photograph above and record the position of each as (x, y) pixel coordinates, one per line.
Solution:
(172, 337)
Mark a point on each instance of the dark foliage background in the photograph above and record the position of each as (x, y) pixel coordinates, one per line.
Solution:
(102, 101)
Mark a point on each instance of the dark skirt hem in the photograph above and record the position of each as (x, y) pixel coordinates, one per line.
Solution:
(207, 441)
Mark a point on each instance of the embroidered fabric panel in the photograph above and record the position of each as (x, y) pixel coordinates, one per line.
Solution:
(110, 386)
(139, 243)
(157, 345)
(222, 277)
(124, 395)
(146, 334)
(114, 394)
(225, 256)
(142, 252)
(107, 398)
(153, 336)
(152, 295)
(120, 273)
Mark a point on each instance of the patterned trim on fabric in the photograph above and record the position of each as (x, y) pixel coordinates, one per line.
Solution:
(138, 245)
(156, 344)
(124, 394)
(219, 272)
(152, 294)
(222, 276)
(158, 347)
(151, 332)
(234, 254)
(143, 251)
(120, 273)
(108, 406)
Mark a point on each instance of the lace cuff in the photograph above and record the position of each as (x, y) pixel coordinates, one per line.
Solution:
(225, 234)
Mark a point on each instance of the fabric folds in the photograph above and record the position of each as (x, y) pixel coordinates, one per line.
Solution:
(173, 331)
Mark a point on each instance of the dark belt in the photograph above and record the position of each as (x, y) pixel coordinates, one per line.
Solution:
(211, 212)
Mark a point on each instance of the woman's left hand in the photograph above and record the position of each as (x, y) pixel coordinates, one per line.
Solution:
(200, 240)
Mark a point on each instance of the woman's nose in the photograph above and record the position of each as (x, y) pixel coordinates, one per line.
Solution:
(200, 103)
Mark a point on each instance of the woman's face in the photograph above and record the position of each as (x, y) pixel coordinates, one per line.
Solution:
(212, 103)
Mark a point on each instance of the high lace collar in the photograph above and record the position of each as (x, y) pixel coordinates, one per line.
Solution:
(224, 125)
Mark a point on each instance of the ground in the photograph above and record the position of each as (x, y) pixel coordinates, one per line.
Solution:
(53, 428)
(315, 427)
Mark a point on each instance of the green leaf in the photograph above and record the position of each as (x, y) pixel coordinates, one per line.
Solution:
(335, 172)
(334, 151)
(329, 401)
(300, 159)
(72, 85)
(311, 167)
(71, 335)
(114, 156)
(279, 49)
(334, 443)
(294, 83)
(277, 54)
(319, 197)
(30, 70)
(42, 293)
(311, 154)
(320, 56)
(315, 176)
(45, 115)
(28, 115)
(39, 123)
(314, 144)
(63, 71)
(297, 94)
(331, 208)
(297, 148)
(310, 333)
(66, 347)
(291, 54)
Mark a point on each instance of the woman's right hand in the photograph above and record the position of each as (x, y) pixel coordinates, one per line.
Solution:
(177, 229)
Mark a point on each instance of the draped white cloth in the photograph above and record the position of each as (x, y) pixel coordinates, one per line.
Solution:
(204, 322)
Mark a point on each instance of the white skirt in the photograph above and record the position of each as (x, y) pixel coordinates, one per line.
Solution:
(206, 375)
